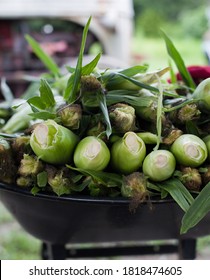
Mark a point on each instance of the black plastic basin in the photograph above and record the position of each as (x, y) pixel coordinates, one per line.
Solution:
(78, 219)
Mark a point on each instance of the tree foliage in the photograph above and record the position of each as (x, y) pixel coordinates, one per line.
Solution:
(169, 9)
(180, 17)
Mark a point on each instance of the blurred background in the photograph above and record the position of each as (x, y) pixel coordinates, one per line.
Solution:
(127, 32)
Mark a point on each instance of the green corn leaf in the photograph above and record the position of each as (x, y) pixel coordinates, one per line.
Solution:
(46, 94)
(88, 68)
(143, 82)
(36, 103)
(69, 88)
(85, 121)
(43, 56)
(172, 74)
(197, 211)
(114, 80)
(101, 98)
(42, 179)
(43, 105)
(111, 79)
(174, 54)
(153, 186)
(109, 75)
(137, 101)
(45, 100)
(35, 190)
(70, 69)
(79, 182)
(192, 128)
(182, 104)
(76, 178)
(134, 70)
(179, 193)
(159, 115)
(6, 91)
(11, 135)
(79, 187)
(44, 115)
(32, 90)
(138, 83)
(70, 94)
(105, 178)
(164, 194)
(120, 92)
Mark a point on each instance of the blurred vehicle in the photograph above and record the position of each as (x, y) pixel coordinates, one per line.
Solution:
(58, 26)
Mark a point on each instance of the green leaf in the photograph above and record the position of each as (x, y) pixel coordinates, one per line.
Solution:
(46, 94)
(71, 90)
(42, 179)
(174, 54)
(136, 101)
(105, 178)
(88, 68)
(123, 92)
(152, 186)
(35, 190)
(180, 105)
(111, 79)
(6, 91)
(197, 211)
(43, 105)
(11, 135)
(192, 128)
(32, 90)
(134, 70)
(79, 187)
(100, 95)
(116, 78)
(164, 194)
(44, 57)
(159, 115)
(44, 115)
(70, 69)
(179, 193)
(172, 74)
(84, 123)
(36, 102)
(76, 178)
(137, 83)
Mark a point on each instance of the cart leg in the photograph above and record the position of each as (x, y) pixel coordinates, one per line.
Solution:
(53, 251)
(187, 249)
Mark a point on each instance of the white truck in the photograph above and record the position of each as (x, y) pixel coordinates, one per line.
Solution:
(112, 20)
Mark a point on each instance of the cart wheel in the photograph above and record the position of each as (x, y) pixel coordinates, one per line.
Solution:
(44, 252)
(53, 251)
(187, 249)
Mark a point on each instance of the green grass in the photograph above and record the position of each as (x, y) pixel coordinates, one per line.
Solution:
(15, 243)
(153, 51)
